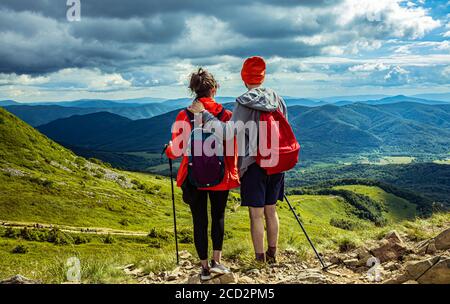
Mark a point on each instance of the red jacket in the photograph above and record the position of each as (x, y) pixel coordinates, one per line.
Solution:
(231, 176)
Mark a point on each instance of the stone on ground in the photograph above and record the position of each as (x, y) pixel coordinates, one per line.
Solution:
(195, 279)
(18, 279)
(438, 274)
(228, 278)
(442, 241)
(389, 249)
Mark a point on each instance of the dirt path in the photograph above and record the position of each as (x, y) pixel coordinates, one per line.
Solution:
(290, 269)
(73, 229)
(395, 259)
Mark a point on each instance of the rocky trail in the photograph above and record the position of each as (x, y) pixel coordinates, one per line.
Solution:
(392, 260)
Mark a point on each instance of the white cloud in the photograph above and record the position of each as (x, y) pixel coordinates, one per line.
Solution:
(369, 67)
(14, 79)
(388, 17)
(423, 47)
(447, 27)
(446, 72)
(86, 79)
(395, 73)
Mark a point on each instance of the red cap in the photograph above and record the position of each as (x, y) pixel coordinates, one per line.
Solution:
(254, 70)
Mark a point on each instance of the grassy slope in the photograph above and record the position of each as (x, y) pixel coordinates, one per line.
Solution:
(61, 188)
(397, 209)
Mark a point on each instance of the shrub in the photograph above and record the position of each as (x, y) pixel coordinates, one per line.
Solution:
(155, 243)
(158, 234)
(137, 184)
(10, 233)
(80, 162)
(38, 235)
(80, 239)
(124, 222)
(41, 182)
(185, 236)
(109, 239)
(344, 224)
(152, 189)
(58, 237)
(346, 244)
(99, 173)
(20, 249)
(25, 234)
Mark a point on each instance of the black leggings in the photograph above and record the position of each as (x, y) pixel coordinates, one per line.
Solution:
(199, 208)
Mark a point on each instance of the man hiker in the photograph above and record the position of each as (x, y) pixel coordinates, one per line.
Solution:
(259, 190)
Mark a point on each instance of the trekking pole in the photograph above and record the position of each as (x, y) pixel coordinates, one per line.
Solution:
(173, 204)
(324, 267)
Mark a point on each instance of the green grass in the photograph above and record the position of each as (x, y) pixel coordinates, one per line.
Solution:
(46, 262)
(397, 209)
(386, 160)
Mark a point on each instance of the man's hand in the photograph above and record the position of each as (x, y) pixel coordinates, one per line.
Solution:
(196, 107)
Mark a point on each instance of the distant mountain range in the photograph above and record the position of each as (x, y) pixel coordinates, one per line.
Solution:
(4, 103)
(435, 96)
(41, 113)
(391, 100)
(322, 131)
(37, 115)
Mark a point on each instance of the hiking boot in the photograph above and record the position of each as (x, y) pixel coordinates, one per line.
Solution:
(218, 268)
(270, 259)
(260, 257)
(205, 274)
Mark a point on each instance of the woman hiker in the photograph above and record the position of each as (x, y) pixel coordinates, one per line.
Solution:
(204, 87)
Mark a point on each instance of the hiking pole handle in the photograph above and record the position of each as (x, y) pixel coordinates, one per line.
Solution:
(164, 149)
(304, 231)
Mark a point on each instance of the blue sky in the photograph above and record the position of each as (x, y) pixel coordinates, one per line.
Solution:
(314, 48)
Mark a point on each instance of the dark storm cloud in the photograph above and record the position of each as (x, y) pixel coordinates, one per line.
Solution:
(121, 36)
(267, 48)
(157, 29)
(142, 8)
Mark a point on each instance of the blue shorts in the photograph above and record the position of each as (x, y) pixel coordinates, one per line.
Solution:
(259, 189)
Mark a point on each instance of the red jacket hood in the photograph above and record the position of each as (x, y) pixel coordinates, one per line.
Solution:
(211, 105)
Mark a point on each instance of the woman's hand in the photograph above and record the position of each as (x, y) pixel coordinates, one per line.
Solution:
(196, 107)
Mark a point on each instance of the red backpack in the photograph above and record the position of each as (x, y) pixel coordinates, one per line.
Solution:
(288, 146)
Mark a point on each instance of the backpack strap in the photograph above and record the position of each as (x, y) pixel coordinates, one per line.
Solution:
(191, 117)
(221, 113)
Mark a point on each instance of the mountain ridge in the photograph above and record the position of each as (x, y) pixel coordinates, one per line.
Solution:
(327, 129)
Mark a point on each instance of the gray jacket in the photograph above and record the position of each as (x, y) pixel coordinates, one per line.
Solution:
(247, 109)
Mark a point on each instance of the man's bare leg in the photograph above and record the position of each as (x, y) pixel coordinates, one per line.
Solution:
(272, 224)
(257, 230)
